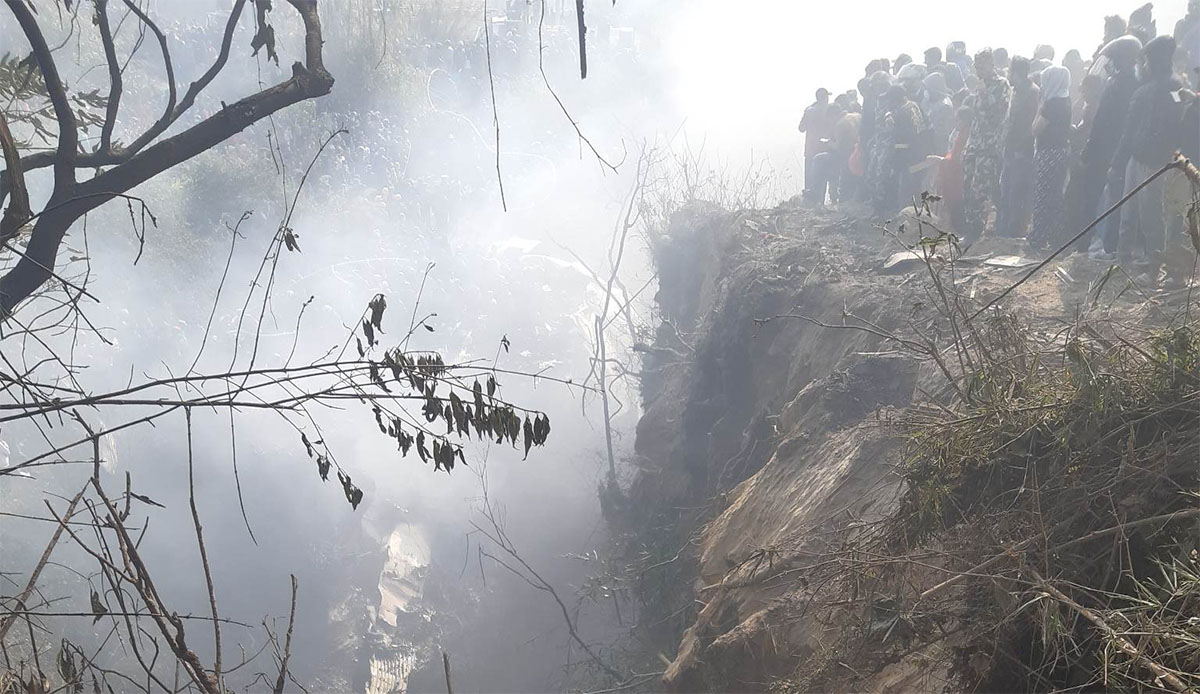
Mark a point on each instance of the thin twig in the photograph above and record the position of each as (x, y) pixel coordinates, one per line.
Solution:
(37, 570)
(546, 80)
(487, 42)
(208, 579)
(287, 642)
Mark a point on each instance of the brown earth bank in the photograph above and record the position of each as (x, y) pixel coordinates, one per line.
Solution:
(829, 453)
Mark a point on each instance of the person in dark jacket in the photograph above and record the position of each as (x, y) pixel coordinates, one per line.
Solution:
(1052, 131)
(1091, 174)
(866, 132)
(1151, 138)
(1016, 180)
(912, 142)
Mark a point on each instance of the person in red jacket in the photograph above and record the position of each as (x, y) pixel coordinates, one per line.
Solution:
(949, 182)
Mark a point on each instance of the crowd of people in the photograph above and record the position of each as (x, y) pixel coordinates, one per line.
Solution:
(1024, 147)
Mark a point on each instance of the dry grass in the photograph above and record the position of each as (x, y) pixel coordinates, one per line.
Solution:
(1048, 530)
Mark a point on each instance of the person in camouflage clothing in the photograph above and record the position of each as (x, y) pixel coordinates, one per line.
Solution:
(881, 185)
(983, 159)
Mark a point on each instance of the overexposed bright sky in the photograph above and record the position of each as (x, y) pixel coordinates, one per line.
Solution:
(747, 69)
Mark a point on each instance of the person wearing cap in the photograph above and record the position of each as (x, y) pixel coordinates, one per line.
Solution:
(817, 126)
(1152, 136)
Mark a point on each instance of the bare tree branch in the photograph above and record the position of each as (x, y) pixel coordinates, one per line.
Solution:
(169, 114)
(17, 213)
(208, 579)
(114, 75)
(70, 200)
(68, 127)
(19, 603)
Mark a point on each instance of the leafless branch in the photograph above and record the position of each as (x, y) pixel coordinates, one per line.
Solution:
(287, 643)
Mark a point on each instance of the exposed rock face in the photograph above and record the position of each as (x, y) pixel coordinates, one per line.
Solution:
(779, 425)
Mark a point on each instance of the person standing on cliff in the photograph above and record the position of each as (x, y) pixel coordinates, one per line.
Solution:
(1052, 130)
(1091, 175)
(1016, 181)
(847, 140)
(817, 126)
(949, 181)
(874, 113)
(885, 183)
(940, 111)
(1153, 133)
(983, 158)
(913, 141)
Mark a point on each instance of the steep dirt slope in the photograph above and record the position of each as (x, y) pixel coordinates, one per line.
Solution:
(773, 424)
(768, 442)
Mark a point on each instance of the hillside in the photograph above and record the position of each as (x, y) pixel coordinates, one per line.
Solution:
(863, 486)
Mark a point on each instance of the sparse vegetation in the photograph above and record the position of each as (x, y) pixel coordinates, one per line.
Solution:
(1047, 531)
